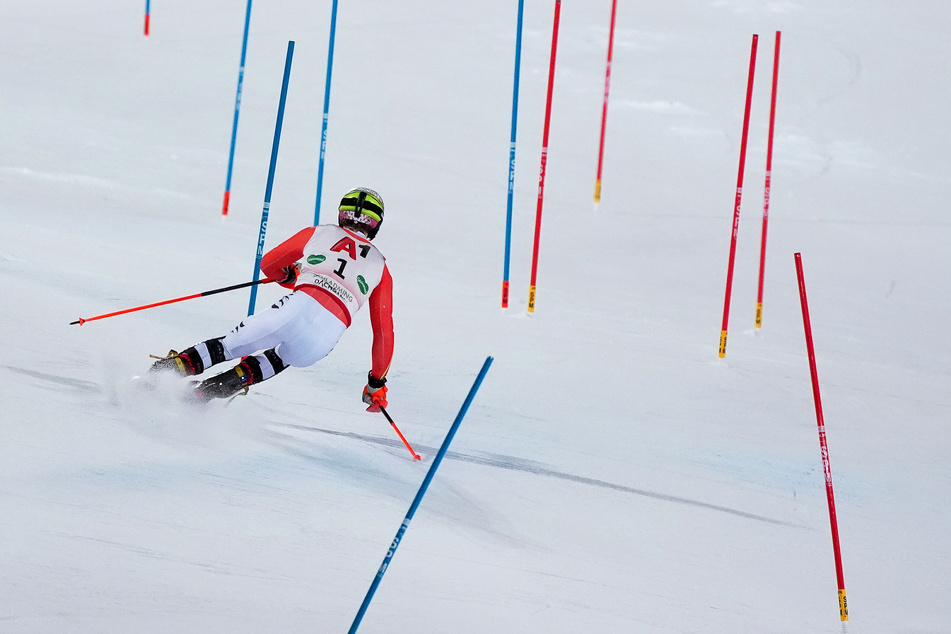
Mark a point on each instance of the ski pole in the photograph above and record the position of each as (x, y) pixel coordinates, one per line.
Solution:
(823, 447)
(768, 184)
(544, 163)
(508, 206)
(323, 132)
(416, 456)
(81, 321)
(419, 497)
(270, 173)
(738, 199)
(237, 110)
(604, 107)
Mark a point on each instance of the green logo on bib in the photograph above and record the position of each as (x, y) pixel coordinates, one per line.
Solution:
(362, 283)
(315, 259)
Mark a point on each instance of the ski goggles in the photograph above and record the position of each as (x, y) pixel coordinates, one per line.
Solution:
(366, 218)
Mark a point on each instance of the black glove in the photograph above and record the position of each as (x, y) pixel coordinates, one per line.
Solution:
(291, 275)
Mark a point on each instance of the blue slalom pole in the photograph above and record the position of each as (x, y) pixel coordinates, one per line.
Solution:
(237, 107)
(508, 213)
(323, 132)
(270, 174)
(419, 495)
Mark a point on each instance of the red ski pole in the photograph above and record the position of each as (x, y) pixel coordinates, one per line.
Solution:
(737, 200)
(604, 107)
(766, 189)
(81, 320)
(416, 456)
(541, 176)
(823, 447)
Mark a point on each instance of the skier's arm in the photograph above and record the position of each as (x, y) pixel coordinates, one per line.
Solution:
(381, 319)
(285, 254)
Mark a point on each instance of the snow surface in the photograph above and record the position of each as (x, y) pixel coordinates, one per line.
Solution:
(612, 475)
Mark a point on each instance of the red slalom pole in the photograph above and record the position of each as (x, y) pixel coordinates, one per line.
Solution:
(604, 109)
(82, 321)
(541, 174)
(826, 465)
(739, 197)
(416, 456)
(766, 188)
(147, 18)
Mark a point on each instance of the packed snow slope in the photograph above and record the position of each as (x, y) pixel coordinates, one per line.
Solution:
(613, 474)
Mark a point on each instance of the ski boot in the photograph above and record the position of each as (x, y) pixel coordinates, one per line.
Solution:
(171, 362)
(225, 385)
(182, 363)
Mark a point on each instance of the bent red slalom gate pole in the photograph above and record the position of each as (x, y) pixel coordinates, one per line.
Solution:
(604, 109)
(826, 465)
(225, 289)
(766, 188)
(416, 456)
(541, 174)
(737, 200)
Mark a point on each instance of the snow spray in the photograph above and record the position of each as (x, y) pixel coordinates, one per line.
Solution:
(826, 465)
(237, 108)
(508, 211)
(739, 196)
(323, 130)
(766, 188)
(541, 173)
(419, 495)
(604, 109)
(270, 174)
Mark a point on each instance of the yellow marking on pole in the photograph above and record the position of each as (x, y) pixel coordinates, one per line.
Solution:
(843, 606)
(597, 191)
(531, 298)
(759, 314)
(722, 343)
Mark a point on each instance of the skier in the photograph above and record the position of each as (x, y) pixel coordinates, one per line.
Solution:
(332, 271)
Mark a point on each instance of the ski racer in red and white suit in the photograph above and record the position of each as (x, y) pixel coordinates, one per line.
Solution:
(342, 271)
(332, 272)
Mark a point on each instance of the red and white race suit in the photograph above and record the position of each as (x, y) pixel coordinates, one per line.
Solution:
(342, 271)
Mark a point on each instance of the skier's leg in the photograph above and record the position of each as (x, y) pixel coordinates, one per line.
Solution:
(314, 342)
(252, 370)
(285, 320)
(306, 332)
(267, 329)
(193, 360)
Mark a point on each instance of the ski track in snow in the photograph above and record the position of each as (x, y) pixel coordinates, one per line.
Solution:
(510, 463)
(78, 384)
(513, 463)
